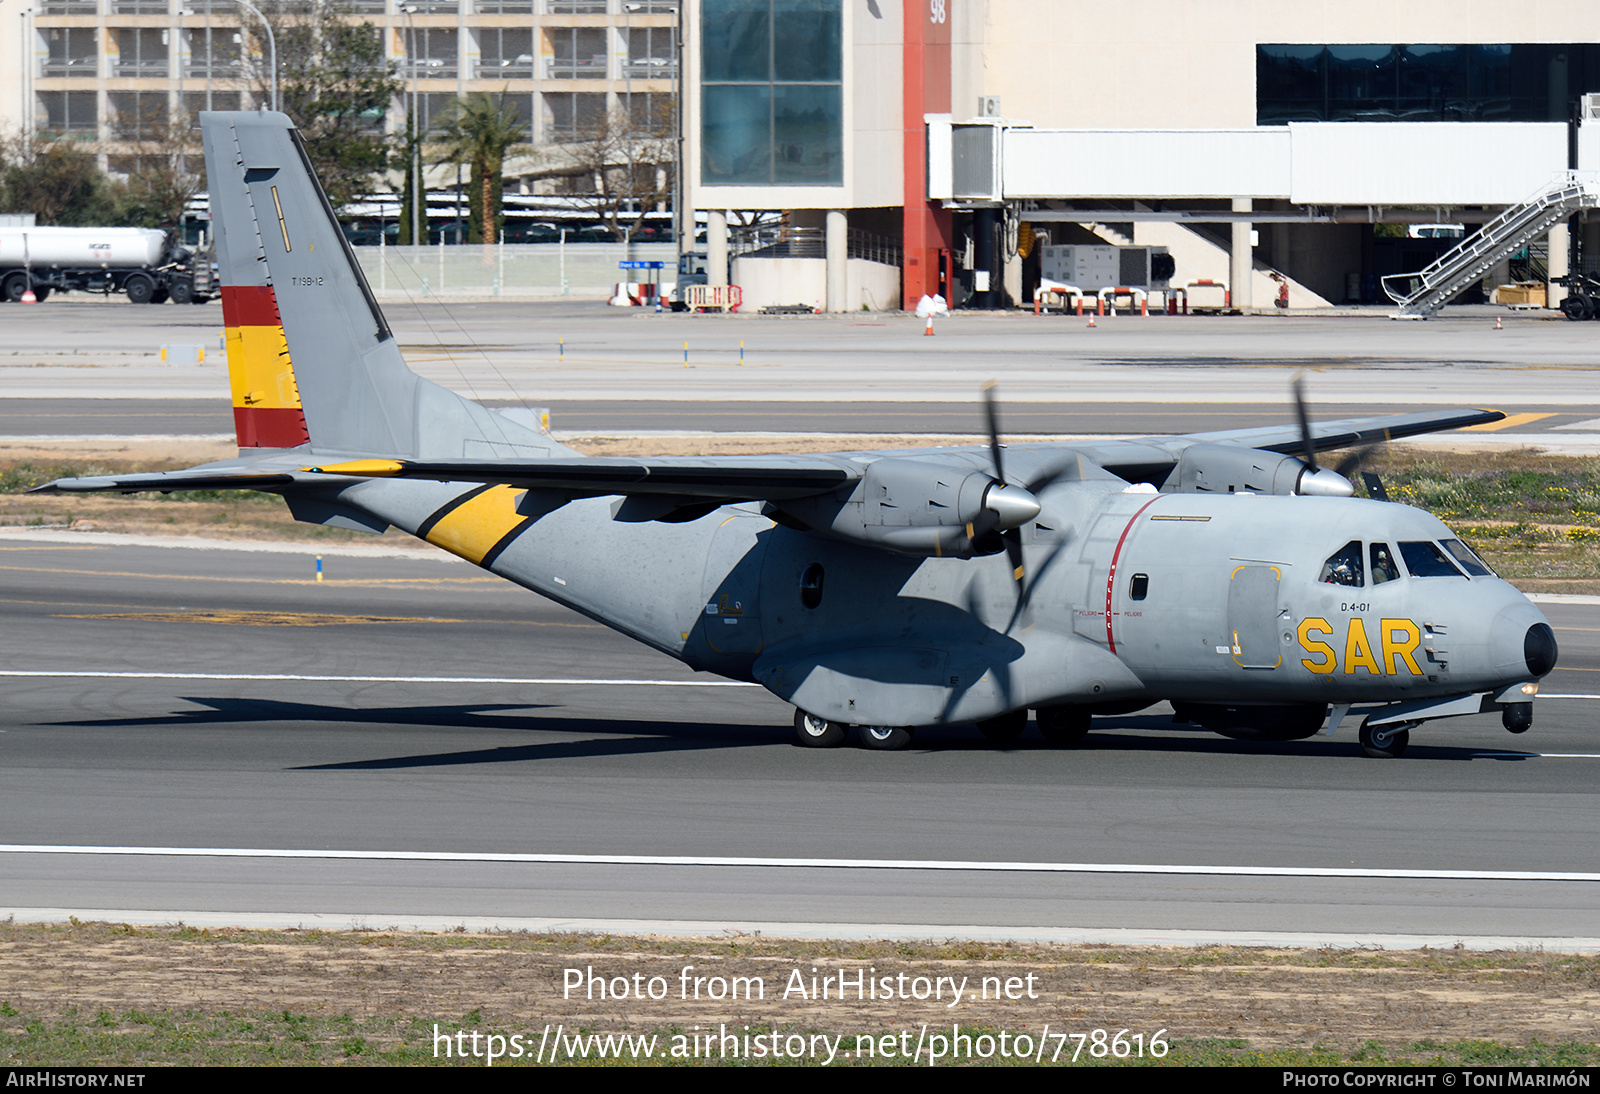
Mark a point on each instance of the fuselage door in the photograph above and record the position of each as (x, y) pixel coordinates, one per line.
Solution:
(1253, 617)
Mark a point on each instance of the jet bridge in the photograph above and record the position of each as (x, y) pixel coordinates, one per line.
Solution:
(1421, 295)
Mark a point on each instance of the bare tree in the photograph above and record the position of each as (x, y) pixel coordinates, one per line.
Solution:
(621, 168)
(164, 165)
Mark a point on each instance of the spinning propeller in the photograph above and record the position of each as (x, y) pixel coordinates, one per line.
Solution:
(1013, 506)
(1320, 481)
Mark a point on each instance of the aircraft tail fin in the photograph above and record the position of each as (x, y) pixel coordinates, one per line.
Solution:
(311, 360)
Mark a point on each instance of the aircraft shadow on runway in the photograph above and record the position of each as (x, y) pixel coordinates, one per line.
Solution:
(610, 736)
(625, 737)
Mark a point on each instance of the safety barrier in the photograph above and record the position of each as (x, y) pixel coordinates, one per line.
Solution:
(1208, 288)
(638, 294)
(726, 298)
(1070, 295)
(1109, 297)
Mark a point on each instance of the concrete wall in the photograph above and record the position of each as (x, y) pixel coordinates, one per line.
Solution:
(773, 281)
(16, 107)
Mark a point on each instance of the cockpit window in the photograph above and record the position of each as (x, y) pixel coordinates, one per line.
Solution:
(1383, 564)
(1469, 561)
(1344, 566)
(1425, 559)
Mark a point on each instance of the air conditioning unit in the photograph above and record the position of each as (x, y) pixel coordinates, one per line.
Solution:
(1093, 268)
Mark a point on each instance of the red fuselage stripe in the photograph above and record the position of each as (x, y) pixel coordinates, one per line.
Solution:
(1111, 575)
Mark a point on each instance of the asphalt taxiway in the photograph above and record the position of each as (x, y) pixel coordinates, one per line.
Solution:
(412, 740)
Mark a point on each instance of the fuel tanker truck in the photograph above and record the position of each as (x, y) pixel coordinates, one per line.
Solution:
(145, 263)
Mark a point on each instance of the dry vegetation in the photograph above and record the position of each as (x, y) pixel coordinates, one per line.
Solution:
(110, 994)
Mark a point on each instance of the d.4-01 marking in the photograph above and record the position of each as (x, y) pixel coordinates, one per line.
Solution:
(1398, 640)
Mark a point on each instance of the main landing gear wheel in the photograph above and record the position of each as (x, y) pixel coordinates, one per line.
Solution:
(885, 738)
(1063, 725)
(1006, 727)
(813, 732)
(1385, 742)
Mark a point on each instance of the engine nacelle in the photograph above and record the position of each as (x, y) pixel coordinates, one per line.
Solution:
(918, 508)
(1233, 469)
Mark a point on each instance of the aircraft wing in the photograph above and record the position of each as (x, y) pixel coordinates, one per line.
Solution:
(1350, 432)
(756, 478)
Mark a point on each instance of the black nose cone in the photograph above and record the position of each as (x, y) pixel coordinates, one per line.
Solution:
(1539, 649)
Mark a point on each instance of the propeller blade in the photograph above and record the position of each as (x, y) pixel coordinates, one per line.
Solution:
(993, 416)
(1013, 542)
(1309, 448)
(1374, 486)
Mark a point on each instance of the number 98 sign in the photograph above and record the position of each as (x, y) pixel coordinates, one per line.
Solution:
(936, 11)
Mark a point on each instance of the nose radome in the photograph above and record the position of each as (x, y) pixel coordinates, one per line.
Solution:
(1539, 649)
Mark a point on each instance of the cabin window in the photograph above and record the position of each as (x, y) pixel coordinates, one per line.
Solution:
(1467, 558)
(1344, 566)
(811, 585)
(1384, 567)
(1139, 587)
(1424, 559)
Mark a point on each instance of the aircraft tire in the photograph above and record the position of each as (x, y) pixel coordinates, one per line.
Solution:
(1005, 727)
(1385, 742)
(1063, 725)
(885, 738)
(813, 732)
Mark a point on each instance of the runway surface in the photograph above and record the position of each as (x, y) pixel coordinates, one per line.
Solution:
(421, 708)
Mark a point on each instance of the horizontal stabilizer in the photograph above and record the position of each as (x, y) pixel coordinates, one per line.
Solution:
(195, 478)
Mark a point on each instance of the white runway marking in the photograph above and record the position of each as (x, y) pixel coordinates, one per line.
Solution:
(91, 675)
(803, 863)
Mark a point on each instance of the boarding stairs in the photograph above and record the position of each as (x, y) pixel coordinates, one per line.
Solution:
(1421, 295)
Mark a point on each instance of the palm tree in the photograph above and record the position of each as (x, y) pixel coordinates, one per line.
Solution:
(480, 131)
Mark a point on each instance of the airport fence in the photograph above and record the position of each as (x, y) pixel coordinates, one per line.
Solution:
(509, 269)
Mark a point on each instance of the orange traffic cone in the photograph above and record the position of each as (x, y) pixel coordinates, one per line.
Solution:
(1497, 324)
(1091, 320)
(928, 330)
(29, 298)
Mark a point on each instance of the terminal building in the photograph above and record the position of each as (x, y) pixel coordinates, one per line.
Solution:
(1249, 139)
(954, 147)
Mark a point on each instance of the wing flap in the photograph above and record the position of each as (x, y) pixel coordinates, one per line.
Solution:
(768, 479)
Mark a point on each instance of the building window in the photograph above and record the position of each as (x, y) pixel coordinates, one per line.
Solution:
(141, 51)
(1532, 82)
(652, 53)
(67, 112)
(576, 53)
(505, 53)
(434, 49)
(73, 51)
(772, 93)
(138, 115)
(572, 115)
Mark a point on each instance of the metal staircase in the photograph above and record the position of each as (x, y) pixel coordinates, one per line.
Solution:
(1421, 295)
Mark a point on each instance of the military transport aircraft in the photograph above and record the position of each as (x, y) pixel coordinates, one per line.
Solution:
(1226, 573)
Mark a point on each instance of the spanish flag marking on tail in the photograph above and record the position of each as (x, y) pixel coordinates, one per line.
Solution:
(266, 402)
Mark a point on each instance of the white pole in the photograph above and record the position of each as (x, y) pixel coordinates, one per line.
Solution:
(563, 253)
(383, 256)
